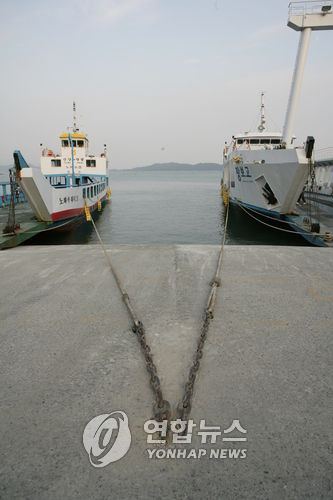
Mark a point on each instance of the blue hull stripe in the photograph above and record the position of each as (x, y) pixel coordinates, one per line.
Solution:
(314, 240)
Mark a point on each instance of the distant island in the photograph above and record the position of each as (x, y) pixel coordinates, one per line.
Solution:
(178, 166)
(172, 166)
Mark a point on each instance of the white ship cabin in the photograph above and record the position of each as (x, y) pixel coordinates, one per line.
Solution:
(251, 141)
(258, 140)
(74, 166)
(263, 140)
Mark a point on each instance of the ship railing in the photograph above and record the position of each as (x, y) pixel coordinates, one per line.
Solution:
(5, 194)
(324, 156)
(310, 7)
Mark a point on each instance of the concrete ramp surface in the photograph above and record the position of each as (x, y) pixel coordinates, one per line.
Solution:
(68, 355)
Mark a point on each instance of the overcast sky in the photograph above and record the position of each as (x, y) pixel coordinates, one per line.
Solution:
(156, 80)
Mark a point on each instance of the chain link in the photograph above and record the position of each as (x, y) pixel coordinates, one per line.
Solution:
(185, 405)
(161, 406)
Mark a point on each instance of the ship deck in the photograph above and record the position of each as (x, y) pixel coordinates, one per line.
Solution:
(29, 226)
(322, 211)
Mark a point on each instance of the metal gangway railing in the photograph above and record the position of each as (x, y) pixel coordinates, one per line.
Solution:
(323, 163)
(5, 194)
(324, 156)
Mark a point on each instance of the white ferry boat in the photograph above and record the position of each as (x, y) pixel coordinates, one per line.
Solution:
(66, 185)
(265, 172)
(262, 174)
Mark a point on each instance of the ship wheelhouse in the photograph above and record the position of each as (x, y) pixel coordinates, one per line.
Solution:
(253, 141)
(74, 166)
(257, 140)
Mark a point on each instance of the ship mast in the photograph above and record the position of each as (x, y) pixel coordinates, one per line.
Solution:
(75, 129)
(262, 125)
(304, 17)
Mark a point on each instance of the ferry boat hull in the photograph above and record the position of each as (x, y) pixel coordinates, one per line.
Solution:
(65, 207)
(67, 185)
(266, 172)
(270, 181)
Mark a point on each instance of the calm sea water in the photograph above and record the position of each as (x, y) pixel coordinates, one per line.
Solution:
(165, 207)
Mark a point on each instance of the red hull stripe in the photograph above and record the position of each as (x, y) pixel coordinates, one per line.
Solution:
(66, 214)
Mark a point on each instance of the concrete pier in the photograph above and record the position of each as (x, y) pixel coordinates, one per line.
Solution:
(68, 354)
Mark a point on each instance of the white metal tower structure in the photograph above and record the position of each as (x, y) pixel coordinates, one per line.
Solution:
(304, 17)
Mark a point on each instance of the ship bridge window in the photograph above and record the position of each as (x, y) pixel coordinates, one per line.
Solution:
(265, 141)
(65, 143)
(91, 163)
(80, 144)
(55, 163)
(240, 141)
(254, 141)
(74, 143)
(58, 180)
(276, 141)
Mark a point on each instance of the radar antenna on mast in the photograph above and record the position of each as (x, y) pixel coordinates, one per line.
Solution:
(262, 125)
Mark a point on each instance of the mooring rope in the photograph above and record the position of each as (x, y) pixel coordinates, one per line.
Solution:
(122, 290)
(275, 227)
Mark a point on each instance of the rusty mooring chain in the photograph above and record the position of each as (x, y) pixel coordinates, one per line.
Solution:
(185, 405)
(161, 406)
